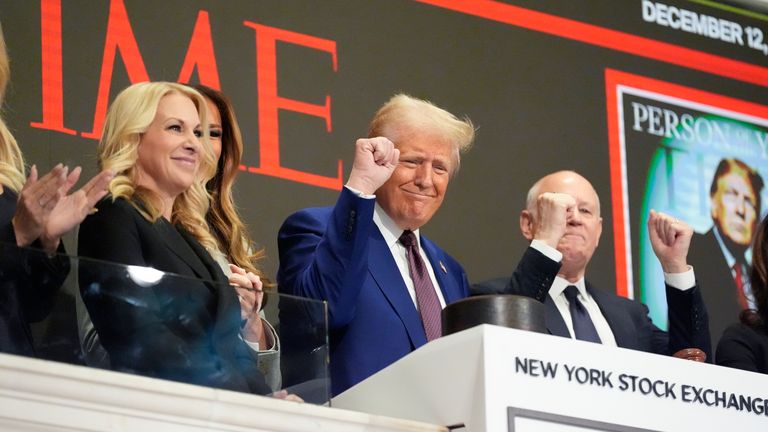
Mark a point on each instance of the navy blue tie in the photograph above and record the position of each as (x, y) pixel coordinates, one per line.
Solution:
(583, 328)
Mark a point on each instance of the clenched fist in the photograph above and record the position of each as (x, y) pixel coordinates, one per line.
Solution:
(375, 160)
(670, 239)
(552, 213)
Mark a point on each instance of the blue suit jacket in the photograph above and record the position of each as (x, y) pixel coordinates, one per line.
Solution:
(629, 321)
(338, 254)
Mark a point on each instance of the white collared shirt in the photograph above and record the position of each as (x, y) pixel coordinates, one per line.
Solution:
(595, 314)
(391, 233)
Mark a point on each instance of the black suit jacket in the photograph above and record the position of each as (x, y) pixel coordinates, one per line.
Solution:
(720, 292)
(628, 319)
(179, 328)
(744, 347)
(29, 281)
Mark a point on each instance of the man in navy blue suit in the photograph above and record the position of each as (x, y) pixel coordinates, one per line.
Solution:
(562, 221)
(384, 291)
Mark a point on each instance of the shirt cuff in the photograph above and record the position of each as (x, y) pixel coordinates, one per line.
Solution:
(547, 250)
(359, 194)
(271, 335)
(682, 281)
(252, 345)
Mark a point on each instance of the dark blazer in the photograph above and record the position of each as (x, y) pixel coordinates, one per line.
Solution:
(338, 254)
(628, 319)
(720, 292)
(744, 347)
(179, 328)
(29, 281)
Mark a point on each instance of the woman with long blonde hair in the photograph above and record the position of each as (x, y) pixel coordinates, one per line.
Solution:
(184, 329)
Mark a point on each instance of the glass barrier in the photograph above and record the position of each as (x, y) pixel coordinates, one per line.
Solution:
(142, 321)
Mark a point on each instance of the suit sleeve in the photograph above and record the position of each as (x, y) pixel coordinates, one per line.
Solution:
(37, 276)
(688, 321)
(532, 277)
(325, 256)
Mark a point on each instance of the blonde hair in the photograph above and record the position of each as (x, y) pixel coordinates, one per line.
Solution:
(129, 116)
(223, 218)
(403, 114)
(11, 159)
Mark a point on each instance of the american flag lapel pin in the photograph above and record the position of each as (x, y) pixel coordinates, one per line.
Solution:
(442, 266)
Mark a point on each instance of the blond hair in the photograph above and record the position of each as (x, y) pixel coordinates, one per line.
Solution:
(129, 116)
(11, 159)
(404, 114)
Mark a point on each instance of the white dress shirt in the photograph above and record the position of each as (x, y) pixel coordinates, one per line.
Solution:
(682, 281)
(391, 233)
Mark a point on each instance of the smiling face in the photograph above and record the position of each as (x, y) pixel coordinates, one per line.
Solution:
(585, 226)
(169, 150)
(417, 187)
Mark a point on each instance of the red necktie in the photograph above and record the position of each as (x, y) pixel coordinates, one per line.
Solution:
(740, 286)
(426, 297)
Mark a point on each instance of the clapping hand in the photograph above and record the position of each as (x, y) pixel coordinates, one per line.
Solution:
(250, 294)
(44, 210)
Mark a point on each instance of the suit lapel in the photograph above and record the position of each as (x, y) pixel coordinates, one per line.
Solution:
(175, 242)
(618, 321)
(555, 323)
(227, 318)
(451, 292)
(384, 271)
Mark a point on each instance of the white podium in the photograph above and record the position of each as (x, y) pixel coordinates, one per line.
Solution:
(43, 396)
(491, 378)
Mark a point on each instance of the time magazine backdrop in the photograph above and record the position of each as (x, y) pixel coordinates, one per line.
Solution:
(550, 85)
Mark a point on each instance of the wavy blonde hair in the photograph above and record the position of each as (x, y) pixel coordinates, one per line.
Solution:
(404, 114)
(129, 116)
(11, 160)
(223, 218)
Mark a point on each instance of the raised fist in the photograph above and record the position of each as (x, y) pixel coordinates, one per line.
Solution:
(552, 213)
(670, 239)
(375, 160)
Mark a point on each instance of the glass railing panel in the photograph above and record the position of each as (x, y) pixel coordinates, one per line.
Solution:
(142, 321)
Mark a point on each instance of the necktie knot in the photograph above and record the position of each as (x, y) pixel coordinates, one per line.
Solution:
(408, 239)
(571, 293)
